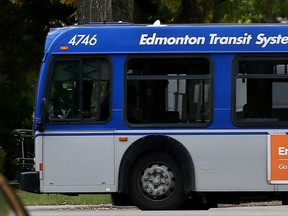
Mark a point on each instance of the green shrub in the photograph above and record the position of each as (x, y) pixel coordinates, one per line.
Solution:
(2, 156)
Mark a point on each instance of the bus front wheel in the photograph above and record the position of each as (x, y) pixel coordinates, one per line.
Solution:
(156, 182)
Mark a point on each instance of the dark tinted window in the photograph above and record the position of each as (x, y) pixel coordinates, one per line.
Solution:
(261, 87)
(79, 90)
(168, 90)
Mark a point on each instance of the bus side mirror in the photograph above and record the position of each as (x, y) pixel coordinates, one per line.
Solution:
(44, 115)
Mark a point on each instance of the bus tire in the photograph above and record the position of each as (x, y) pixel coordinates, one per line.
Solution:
(156, 182)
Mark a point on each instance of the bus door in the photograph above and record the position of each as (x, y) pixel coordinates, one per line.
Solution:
(78, 145)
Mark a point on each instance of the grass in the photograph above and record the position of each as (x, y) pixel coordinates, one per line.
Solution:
(29, 199)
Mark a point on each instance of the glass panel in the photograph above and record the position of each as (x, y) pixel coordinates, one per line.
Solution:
(167, 66)
(63, 97)
(263, 66)
(175, 96)
(254, 99)
(80, 90)
(91, 85)
(262, 99)
(280, 101)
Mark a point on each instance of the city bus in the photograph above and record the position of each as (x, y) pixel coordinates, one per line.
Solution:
(160, 114)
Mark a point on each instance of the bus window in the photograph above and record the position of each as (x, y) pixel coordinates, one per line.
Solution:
(261, 85)
(168, 90)
(79, 90)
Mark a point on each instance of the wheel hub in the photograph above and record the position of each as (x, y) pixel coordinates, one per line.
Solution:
(157, 181)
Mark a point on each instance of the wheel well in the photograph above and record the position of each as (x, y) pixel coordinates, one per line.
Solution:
(157, 143)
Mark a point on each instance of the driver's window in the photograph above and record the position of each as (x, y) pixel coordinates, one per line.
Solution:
(76, 89)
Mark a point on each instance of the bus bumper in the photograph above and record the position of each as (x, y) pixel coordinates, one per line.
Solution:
(29, 181)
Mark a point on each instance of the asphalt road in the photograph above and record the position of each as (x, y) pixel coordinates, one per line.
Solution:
(130, 211)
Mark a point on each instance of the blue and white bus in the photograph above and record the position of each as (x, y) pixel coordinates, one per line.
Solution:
(159, 113)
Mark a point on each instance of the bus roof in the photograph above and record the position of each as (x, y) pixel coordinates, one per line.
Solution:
(108, 38)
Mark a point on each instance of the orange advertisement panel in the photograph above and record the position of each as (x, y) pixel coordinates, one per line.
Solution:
(279, 159)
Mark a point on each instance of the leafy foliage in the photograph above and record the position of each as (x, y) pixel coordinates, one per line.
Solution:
(24, 25)
(254, 11)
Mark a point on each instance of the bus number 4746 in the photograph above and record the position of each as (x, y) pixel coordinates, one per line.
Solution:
(83, 39)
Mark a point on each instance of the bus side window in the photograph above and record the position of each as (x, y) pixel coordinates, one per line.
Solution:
(261, 90)
(168, 90)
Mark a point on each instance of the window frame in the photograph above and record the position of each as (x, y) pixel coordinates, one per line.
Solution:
(236, 75)
(209, 77)
(81, 59)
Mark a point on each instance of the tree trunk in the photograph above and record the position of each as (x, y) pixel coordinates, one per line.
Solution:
(105, 10)
(269, 11)
(123, 10)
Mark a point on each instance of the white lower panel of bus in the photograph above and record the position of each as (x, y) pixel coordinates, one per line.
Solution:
(79, 163)
(229, 162)
(222, 162)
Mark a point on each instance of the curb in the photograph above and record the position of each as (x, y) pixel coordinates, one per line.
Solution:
(79, 207)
